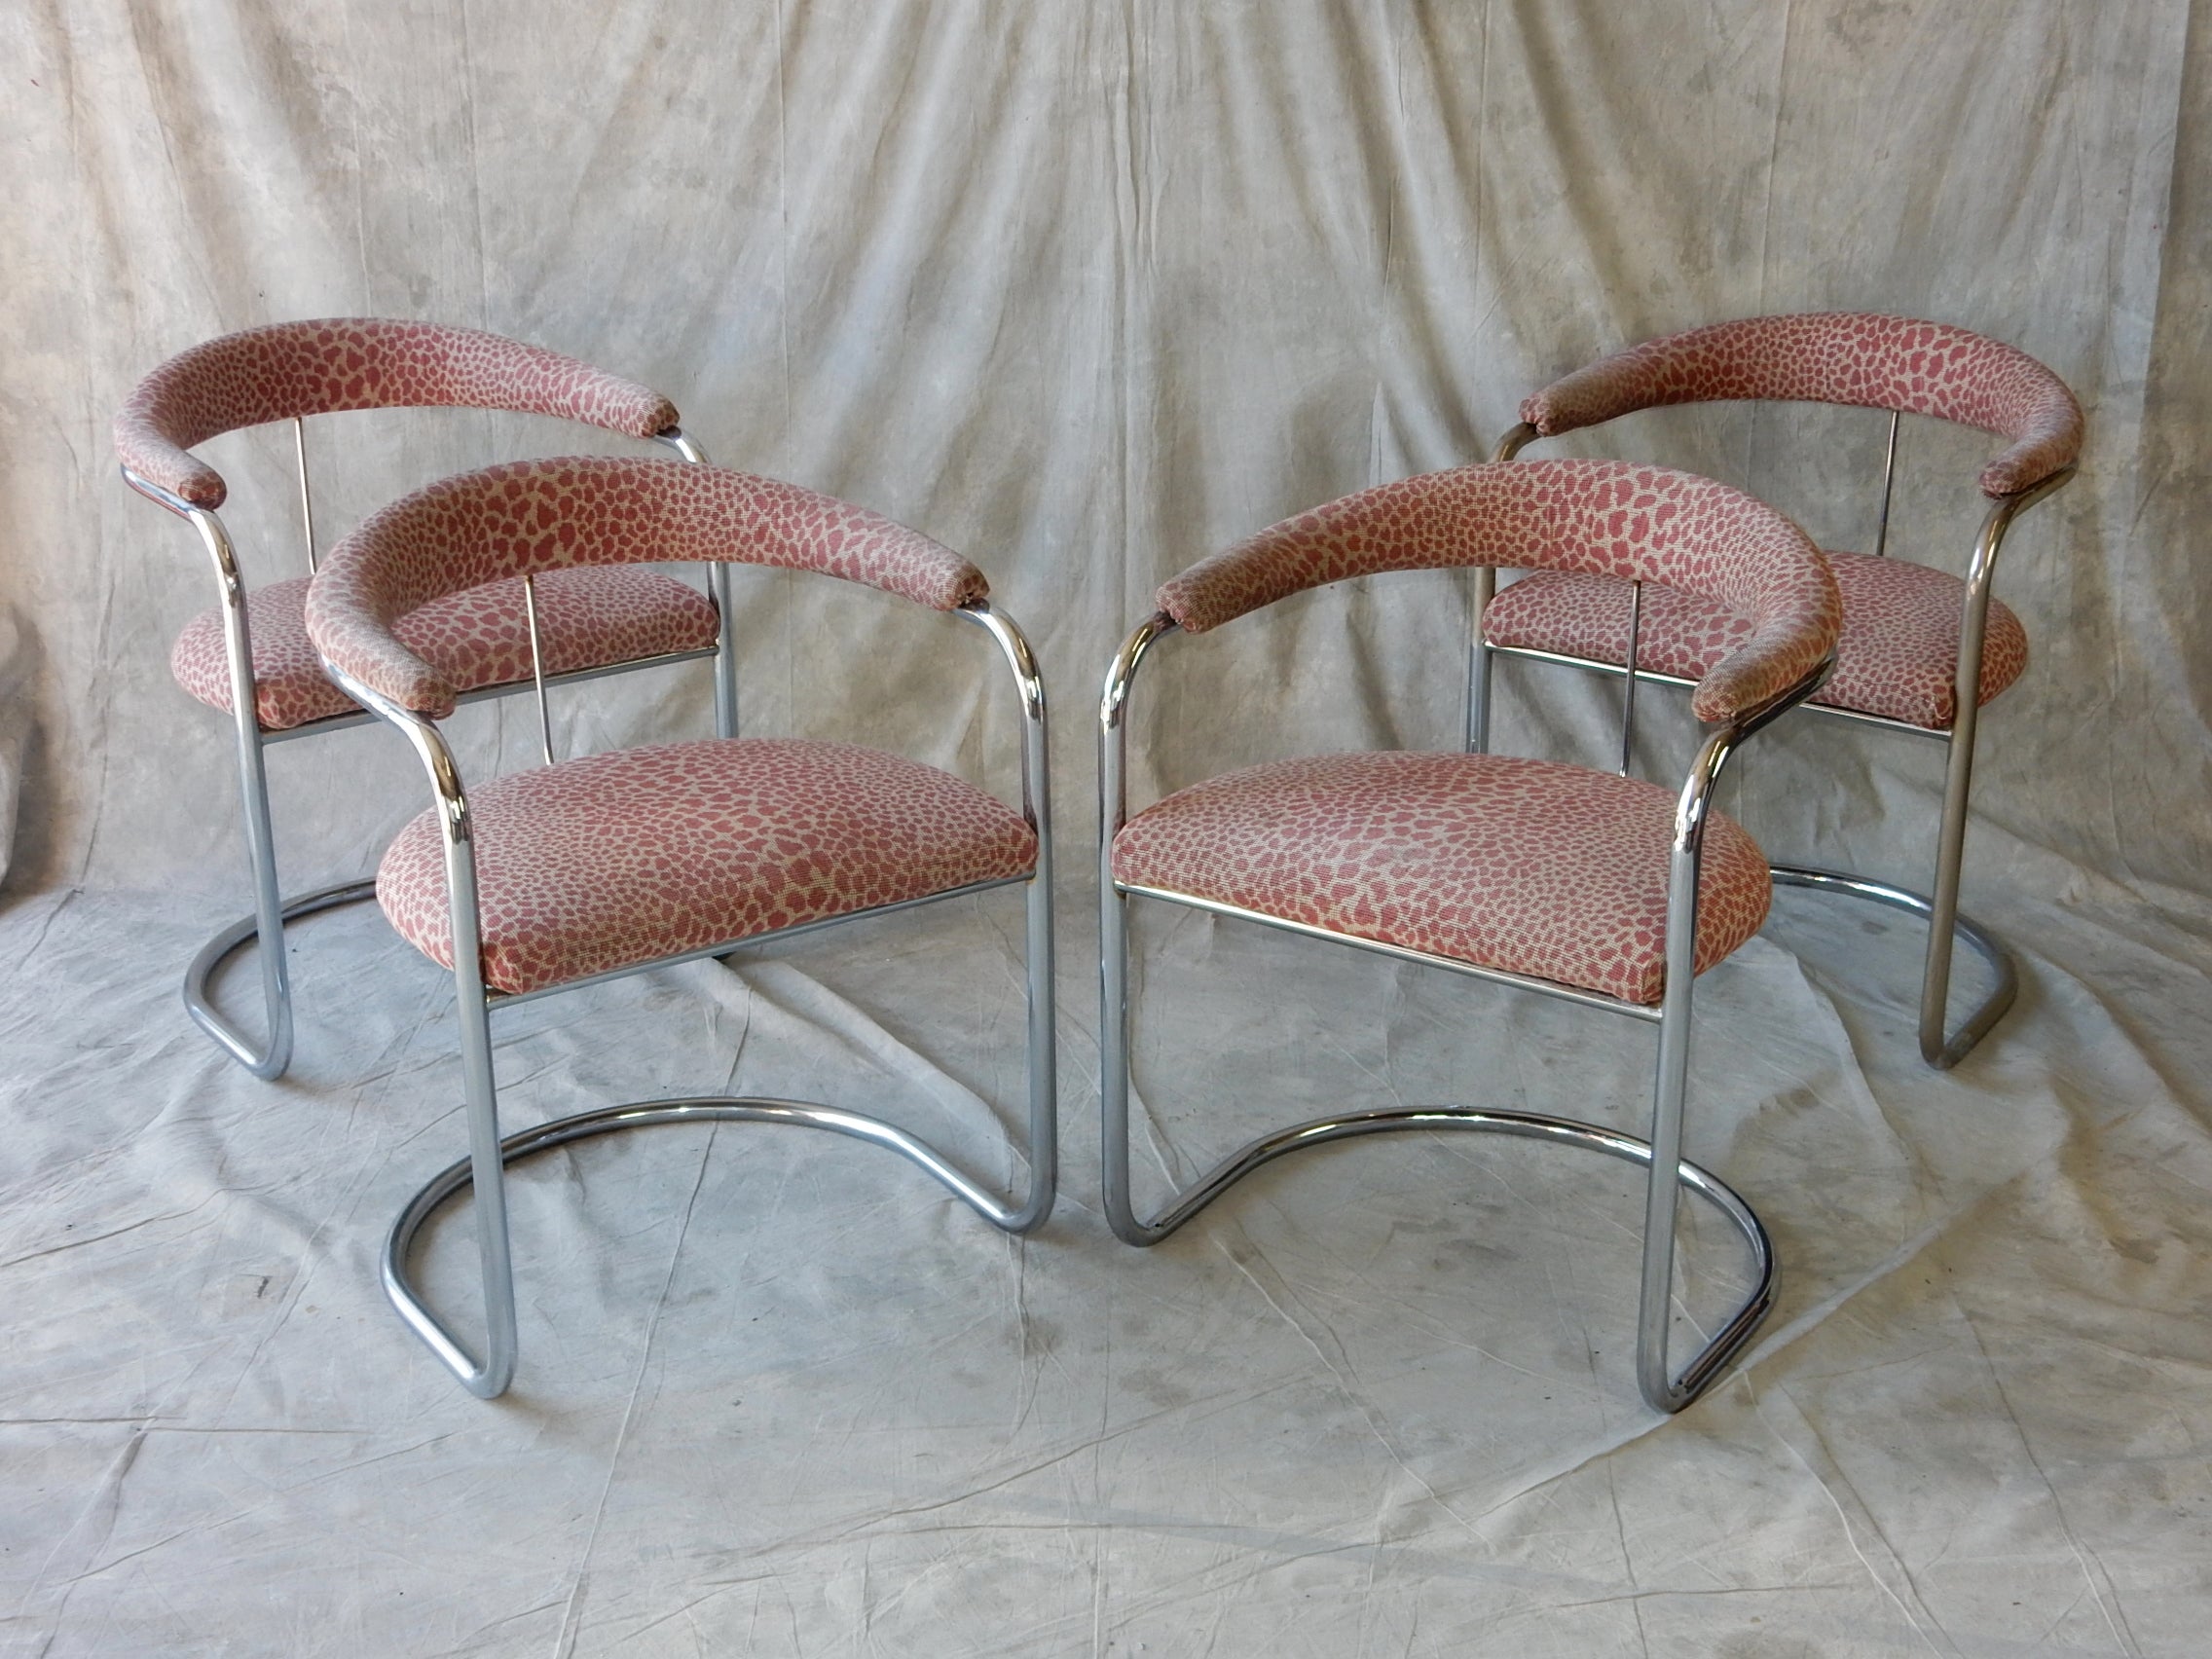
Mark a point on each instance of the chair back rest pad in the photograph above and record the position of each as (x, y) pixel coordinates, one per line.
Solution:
(337, 363)
(1601, 517)
(1853, 357)
(543, 515)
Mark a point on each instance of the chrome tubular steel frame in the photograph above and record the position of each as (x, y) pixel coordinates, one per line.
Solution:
(1947, 927)
(483, 1170)
(1669, 1173)
(272, 1055)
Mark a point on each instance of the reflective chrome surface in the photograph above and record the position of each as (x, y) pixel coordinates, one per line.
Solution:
(1667, 1171)
(1628, 679)
(1889, 484)
(489, 1379)
(1674, 1393)
(307, 495)
(270, 1058)
(211, 956)
(538, 667)
(483, 1170)
(1983, 943)
(1938, 1048)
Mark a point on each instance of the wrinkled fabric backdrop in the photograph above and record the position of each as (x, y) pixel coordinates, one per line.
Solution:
(1086, 292)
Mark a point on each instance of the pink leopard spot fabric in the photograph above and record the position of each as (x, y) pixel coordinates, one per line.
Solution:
(589, 618)
(1527, 865)
(607, 861)
(543, 515)
(1605, 518)
(1897, 655)
(322, 367)
(1854, 357)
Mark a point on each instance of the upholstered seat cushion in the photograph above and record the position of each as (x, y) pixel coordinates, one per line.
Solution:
(617, 859)
(1896, 658)
(586, 618)
(1527, 865)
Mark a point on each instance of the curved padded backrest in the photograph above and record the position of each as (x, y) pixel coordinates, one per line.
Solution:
(362, 362)
(1858, 357)
(1603, 517)
(543, 515)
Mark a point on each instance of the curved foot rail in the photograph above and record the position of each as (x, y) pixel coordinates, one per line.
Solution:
(489, 1379)
(269, 1062)
(1935, 1004)
(1695, 1378)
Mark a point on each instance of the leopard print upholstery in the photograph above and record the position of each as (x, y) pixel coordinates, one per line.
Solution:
(543, 515)
(1598, 517)
(1855, 357)
(1527, 865)
(289, 369)
(1897, 655)
(604, 862)
(586, 618)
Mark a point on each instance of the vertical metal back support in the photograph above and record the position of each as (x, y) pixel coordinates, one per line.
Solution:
(1485, 589)
(1889, 480)
(719, 590)
(1113, 938)
(307, 497)
(1479, 665)
(538, 667)
(1043, 1030)
(1628, 679)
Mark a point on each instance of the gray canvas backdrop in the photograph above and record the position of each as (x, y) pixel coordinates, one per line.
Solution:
(1087, 292)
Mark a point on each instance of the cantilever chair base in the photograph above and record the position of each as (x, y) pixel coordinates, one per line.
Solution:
(265, 1063)
(489, 1378)
(1711, 1360)
(1940, 1052)
(457, 1176)
(1661, 1390)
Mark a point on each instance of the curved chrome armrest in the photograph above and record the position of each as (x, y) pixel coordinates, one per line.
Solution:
(212, 535)
(1029, 688)
(159, 496)
(1999, 519)
(1112, 736)
(431, 747)
(1515, 441)
(682, 442)
(1696, 801)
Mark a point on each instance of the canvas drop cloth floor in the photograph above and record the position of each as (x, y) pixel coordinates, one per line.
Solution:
(780, 1395)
